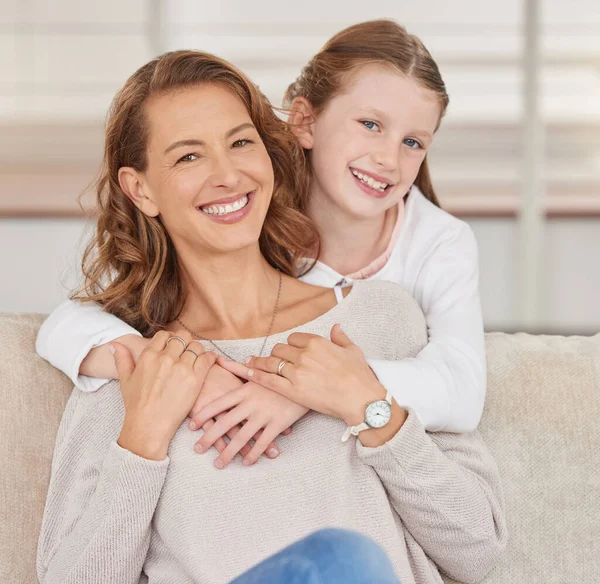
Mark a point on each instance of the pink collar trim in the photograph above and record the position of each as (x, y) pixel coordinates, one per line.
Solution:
(378, 263)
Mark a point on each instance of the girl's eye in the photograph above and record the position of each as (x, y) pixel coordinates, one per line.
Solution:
(412, 143)
(188, 158)
(241, 142)
(370, 124)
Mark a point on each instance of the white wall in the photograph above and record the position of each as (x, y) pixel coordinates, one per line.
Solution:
(62, 61)
(39, 264)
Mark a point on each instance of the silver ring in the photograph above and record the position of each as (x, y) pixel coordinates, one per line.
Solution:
(282, 364)
(179, 339)
(188, 350)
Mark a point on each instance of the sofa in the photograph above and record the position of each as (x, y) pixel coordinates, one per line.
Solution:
(541, 421)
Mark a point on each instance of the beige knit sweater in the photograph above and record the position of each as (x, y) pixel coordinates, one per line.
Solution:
(433, 501)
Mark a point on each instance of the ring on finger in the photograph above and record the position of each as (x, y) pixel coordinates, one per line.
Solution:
(282, 364)
(188, 350)
(179, 339)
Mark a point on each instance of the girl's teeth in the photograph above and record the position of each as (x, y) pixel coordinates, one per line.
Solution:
(370, 181)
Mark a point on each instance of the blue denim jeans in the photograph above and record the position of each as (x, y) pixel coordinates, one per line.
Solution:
(329, 556)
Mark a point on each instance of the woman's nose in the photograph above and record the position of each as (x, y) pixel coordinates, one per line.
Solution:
(224, 173)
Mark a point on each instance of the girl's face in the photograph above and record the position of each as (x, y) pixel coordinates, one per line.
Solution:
(369, 141)
(209, 175)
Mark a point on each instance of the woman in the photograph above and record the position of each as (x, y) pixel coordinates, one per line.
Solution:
(129, 500)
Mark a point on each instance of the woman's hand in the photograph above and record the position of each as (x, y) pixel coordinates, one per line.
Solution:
(218, 383)
(268, 414)
(159, 391)
(99, 362)
(330, 377)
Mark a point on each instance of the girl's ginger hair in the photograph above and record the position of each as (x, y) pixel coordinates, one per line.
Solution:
(130, 266)
(382, 42)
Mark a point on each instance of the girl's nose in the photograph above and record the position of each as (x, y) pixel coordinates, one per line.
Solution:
(386, 157)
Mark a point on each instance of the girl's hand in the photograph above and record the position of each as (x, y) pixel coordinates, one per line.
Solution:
(267, 413)
(218, 383)
(159, 391)
(330, 377)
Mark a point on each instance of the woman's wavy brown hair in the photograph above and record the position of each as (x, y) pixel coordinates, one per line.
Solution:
(383, 42)
(130, 266)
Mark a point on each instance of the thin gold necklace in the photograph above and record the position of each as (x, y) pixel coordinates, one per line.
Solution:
(189, 330)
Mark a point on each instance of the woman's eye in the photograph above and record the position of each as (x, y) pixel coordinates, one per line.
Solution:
(242, 142)
(370, 124)
(412, 143)
(188, 158)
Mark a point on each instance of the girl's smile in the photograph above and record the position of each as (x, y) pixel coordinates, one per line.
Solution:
(372, 184)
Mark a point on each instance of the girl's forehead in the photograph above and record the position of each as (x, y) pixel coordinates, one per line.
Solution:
(387, 93)
(384, 82)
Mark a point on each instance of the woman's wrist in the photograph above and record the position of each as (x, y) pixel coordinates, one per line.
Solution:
(375, 437)
(355, 409)
(153, 447)
(356, 413)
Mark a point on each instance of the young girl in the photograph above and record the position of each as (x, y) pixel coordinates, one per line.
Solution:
(365, 109)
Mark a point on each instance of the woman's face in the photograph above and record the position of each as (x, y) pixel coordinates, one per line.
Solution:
(209, 175)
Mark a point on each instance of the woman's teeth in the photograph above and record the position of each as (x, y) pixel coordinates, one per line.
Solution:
(225, 209)
(374, 184)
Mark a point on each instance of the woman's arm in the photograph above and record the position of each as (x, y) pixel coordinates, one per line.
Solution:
(103, 494)
(445, 383)
(75, 337)
(101, 498)
(446, 489)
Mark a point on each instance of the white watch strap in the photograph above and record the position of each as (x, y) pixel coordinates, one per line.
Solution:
(355, 430)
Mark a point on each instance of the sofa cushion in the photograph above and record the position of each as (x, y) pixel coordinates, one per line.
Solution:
(540, 422)
(32, 397)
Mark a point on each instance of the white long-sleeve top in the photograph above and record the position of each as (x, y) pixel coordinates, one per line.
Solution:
(433, 501)
(435, 259)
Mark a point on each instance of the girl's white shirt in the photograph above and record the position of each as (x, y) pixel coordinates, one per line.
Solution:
(435, 259)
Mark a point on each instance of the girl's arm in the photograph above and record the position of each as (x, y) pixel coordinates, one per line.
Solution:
(445, 383)
(75, 337)
(446, 489)
(101, 498)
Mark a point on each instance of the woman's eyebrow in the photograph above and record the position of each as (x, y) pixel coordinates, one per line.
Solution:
(239, 128)
(194, 142)
(181, 143)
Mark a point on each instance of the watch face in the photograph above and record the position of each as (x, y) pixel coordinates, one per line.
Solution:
(378, 414)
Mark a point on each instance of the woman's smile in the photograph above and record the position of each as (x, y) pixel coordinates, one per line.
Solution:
(229, 210)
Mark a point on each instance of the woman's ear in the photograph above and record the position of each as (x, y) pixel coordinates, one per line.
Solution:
(133, 185)
(301, 119)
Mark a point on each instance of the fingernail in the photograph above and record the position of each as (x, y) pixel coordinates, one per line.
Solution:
(199, 448)
(111, 348)
(192, 425)
(246, 462)
(219, 463)
(273, 452)
(250, 372)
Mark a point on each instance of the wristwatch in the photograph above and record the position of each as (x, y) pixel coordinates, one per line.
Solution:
(377, 415)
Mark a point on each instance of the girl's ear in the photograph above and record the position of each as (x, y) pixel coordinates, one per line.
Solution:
(301, 119)
(133, 185)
